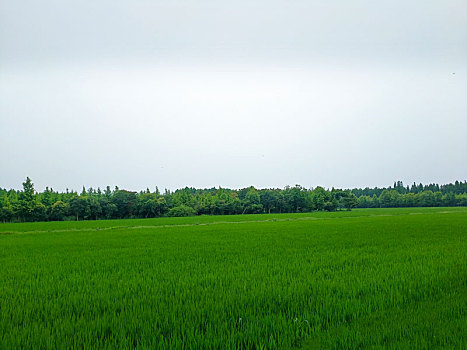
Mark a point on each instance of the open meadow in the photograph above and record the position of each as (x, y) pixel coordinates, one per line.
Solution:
(368, 278)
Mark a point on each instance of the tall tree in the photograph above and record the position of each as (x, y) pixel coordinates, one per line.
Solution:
(27, 201)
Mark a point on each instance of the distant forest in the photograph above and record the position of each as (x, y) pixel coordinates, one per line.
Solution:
(94, 204)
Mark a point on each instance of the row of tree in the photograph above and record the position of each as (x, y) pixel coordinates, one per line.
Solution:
(92, 204)
(457, 187)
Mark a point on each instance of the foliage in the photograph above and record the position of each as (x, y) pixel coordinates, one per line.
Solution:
(91, 204)
(182, 210)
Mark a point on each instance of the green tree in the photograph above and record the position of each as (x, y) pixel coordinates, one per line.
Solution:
(252, 202)
(296, 199)
(125, 201)
(425, 199)
(39, 212)
(449, 199)
(6, 209)
(331, 205)
(150, 205)
(364, 202)
(318, 198)
(79, 207)
(59, 210)
(27, 201)
(349, 200)
(271, 200)
(461, 199)
(95, 209)
(388, 198)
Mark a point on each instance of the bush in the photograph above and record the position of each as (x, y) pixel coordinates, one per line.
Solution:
(182, 210)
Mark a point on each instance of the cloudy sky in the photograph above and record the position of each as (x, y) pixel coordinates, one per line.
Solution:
(139, 93)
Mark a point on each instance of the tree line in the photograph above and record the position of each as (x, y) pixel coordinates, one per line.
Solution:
(95, 204)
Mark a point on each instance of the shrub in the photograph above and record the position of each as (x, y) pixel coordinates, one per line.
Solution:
(182, 210)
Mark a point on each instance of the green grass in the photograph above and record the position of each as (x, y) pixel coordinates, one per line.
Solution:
(381, 278)
(61, 226)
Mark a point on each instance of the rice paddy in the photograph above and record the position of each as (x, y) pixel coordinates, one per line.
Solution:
(374, 278)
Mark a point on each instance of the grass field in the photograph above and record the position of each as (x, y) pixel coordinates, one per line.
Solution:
(377, 278)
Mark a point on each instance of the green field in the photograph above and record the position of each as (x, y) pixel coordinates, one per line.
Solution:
(376, 278)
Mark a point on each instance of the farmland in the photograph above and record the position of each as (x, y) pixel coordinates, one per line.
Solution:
(368, 278)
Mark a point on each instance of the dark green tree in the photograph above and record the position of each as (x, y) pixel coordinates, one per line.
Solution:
(59, 210)
(27, 201)
(349, 200)
(124, 201)
(79, 207)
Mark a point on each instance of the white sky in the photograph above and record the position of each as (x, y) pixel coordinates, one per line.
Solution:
(232, 94)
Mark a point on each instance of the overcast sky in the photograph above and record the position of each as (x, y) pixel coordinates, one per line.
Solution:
(139, 93)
